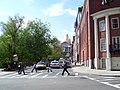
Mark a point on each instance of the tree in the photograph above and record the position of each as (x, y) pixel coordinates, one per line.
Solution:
(56, 49)
(30, 42)
(10, 37)
(37, 39)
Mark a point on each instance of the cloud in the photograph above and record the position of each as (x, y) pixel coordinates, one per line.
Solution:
(58, 10)
(71, 12)
(54, 10)
(28, 2)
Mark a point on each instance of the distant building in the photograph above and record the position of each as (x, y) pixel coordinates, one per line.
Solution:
(74, 51)
(76, 39)
(97, 34)
(68, 40)
(67, 47)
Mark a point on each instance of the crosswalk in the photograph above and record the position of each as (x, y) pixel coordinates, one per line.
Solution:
(41, 74)
(110, 81)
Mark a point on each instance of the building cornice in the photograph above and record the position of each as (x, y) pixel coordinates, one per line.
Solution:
(83, 11)
(110, 11)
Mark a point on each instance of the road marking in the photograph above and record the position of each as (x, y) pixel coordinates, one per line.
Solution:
(45, 75)
(2, 73)
(35, 75)
(106, 83)
(118, 84)
(76, 74)
(109, 77)
(24, 76)
(65, 75)
(56, 75)
(8, 76)
(16, 76)
(91, 78)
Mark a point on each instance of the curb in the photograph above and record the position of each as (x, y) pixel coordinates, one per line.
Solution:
(96, 72)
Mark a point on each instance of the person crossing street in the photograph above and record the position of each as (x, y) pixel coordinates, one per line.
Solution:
(21, 68)
(34, 67)
(48, 67)
(65, 67)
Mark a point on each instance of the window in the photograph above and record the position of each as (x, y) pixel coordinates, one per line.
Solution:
(116, 42)
(103, 62)
(103, 44)
(115, 23)
(106, 2)
(102, 25)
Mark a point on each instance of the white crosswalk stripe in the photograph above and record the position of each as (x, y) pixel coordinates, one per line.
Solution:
(110, 81)
(36, 75)
(65, 75)
(9, 75)
(56, 74)
(45, 75)
(33, 75)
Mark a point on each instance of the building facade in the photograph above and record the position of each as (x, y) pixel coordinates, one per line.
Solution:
(99, 34)
(76, 44)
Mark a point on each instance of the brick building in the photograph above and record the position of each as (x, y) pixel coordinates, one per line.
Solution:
(99, 34)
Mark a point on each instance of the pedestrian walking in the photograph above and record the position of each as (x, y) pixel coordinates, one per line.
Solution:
(75, 62)
(65, 67)
(48, 67)
(21, 68)
(34, 67)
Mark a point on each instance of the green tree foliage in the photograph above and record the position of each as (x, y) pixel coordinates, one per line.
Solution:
(56, 49)
(37, 39)
(30, 42)
(10, 37)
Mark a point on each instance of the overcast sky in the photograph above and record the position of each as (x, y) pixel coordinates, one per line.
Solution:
(60, 14)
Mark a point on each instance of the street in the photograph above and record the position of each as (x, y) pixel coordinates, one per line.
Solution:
(42, 80)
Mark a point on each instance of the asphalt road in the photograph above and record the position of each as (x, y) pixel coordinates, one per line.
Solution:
(55, 81)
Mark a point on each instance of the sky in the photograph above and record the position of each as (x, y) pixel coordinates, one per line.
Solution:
(60, 14)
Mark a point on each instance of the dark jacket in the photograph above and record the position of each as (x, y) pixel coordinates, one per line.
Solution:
(65, 65)
(48, 64)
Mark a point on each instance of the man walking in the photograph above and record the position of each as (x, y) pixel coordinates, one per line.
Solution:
(48, 67)
(34, 67)
(21, 68)
(65, 67)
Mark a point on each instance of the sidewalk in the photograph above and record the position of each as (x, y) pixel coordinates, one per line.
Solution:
(86, 70)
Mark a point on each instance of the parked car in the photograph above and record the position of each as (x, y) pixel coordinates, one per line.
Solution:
(55, 64)
(41, 65)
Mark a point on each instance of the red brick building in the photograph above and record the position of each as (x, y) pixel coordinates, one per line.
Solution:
(99, 34)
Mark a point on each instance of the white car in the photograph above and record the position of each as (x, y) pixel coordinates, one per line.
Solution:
(61, 62)
(41, 65)
(54, 64)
